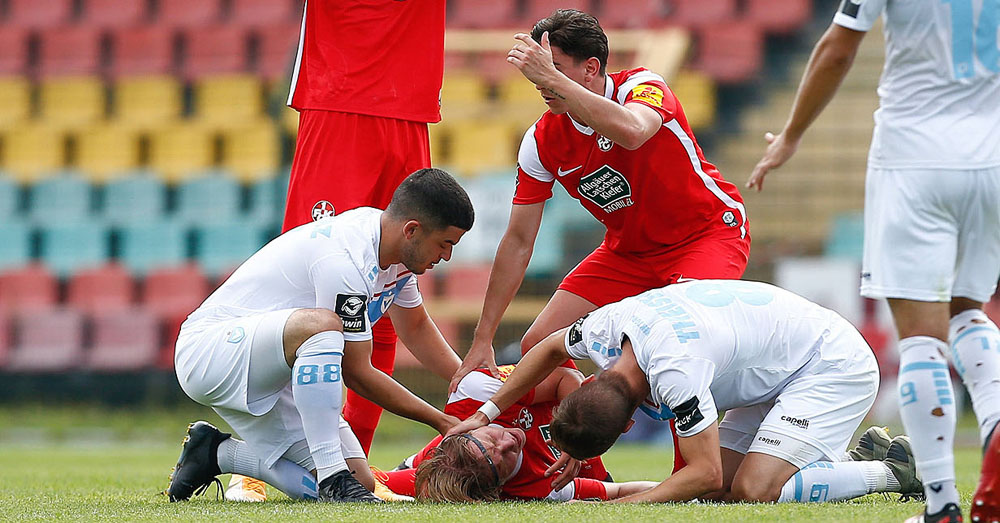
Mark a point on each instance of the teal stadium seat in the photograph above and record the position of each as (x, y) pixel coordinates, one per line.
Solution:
(491, 196)
(847, 235)
(10, 196)
(71, 246)
(266, 201)
(563, 218)
(210, 198)
(15, 244)
(150, 245)
(221, 247)
(62, 198)
(136, 198)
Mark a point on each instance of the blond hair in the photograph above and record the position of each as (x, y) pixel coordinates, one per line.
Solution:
(454, 472)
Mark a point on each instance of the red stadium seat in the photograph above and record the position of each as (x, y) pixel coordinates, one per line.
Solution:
(103, 289)
(48, 341)
(4, 339)
(31, 288)
(142, 50)
(631, 14)
(13, 50)
(109, 14)
(72, 50)
(467, 282)
(778, 16)
(477, 14)
(256, 13)
(731, 52)
(698, 13)
(124, 340)
(276, 44)
(37, 14)
(535, 10)
(186, 14)
(174, 292)
(215, 50)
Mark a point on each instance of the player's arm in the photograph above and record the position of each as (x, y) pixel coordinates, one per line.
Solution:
(702, 474)
(557, 385)
(831, 59)
(628, 488)
(422, 337)
(506, 275)
(379, 388)
(630, 125)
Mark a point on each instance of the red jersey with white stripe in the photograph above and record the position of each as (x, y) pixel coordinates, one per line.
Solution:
(375, 57)
(650, 199)
(528, 481)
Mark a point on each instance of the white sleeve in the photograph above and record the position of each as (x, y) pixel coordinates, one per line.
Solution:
(682, 384)
(528, 159)
(341, 287)
(859, 15)
(409, 296)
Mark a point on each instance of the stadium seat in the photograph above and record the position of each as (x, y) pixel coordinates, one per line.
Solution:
(698, 13)
(440, 139)
(30, 288)
(467, 282)
(101, 289)
(15, 244)
(174, 292)
(136, 198)
(33, 151)
(124, 340)
(212, 197)
(490, 196)
(275, 50)
(10, 199)
(256, 13)
(37, 14)
(142, 50)
(493, 67)
(221, 247)
(106, 150)
(266, 201)
(15, 100)
(462, 89)
(180, 150)
(113, 14)
(71, 50)
(228, 101)
(214, 50)
(730, 52)
(696, 92)
(252, 151)
(535, 10)
(631, 14)
(482, 145)
(48, 341)
(476, 14)
(72, 102)
(65, 197)
(68, 248)
(5, 340)
(778, 16)
(147, 102)
(187, 14)
(148, 246)
(846, 236)
(13, 50)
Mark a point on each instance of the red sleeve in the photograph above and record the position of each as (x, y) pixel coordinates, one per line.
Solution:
(589, 489)
(530, 190)
(593, 468)
(400, 481)
(656, 95)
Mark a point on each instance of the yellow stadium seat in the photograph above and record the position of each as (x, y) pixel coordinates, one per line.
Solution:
(463, 94)
(33, 151)
(106, 150)
(180, 151)
(229, 101)
(15, 101)
(289, 121)
(438, 134)
(482, 145)
(252, 151)
(696, 92)
(72, 102)
(521, 103)
(147, 102)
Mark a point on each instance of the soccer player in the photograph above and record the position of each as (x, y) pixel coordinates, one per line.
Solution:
(366, 82)
(271, 349)
(932, 214)
(794, 379)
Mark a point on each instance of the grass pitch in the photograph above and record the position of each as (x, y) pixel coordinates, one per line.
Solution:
(91, 464)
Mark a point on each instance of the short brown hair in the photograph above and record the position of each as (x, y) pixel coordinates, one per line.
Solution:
(454, 472)
(591, 418)
(576, 33)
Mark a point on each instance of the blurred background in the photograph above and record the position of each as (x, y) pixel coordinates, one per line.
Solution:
(144, 152)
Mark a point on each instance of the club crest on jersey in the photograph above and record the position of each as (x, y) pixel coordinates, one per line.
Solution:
(729, 218)
(604, 143)
(351, 309)
(525, 419)
(607, 188)
(322, 209)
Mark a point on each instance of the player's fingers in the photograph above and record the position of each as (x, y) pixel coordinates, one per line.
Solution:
(559, 464)
(569, 472)
(525, 38)
(769, 137)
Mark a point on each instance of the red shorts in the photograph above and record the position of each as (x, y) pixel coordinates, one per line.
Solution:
(605, 277)
(345, 160)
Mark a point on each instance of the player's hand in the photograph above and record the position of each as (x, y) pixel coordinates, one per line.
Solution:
(476, 420)
(779, 150)
(533, 59)
(570, 469)
(480, 355)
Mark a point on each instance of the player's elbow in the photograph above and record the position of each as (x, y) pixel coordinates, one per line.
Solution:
(635, 138)
(710, 478)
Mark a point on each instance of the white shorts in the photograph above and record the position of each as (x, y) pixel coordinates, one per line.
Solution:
(931, 234)
(237, 366)
(815, 415)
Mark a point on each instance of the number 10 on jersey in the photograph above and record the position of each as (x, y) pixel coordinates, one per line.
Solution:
(972, 39)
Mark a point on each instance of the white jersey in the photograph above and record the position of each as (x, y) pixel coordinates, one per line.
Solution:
(331, 263)
(939, 95)
(709, 345)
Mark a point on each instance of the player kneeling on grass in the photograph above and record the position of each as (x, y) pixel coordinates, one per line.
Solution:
(795, 380)
(272, 348)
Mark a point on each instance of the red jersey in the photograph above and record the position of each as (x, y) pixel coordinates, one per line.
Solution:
(374, 57)
(528, 481)
(650, 199)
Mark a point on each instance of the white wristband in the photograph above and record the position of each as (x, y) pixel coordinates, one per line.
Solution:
(490, 410)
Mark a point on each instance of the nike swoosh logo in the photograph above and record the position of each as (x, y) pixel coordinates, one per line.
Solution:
(936, 487)
(561, 172)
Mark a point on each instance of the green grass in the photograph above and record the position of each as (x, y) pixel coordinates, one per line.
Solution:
(92, 464)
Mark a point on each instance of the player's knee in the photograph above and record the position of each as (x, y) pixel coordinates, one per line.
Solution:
(755, 490)
(321, 320)
(530, 339)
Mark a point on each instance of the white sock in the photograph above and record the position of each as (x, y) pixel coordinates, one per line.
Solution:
(827, 481)
(975, 350)
(927, 408)
(236, 457)
(317, 389)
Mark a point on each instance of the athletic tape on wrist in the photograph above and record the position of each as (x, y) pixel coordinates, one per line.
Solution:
(490, 410)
